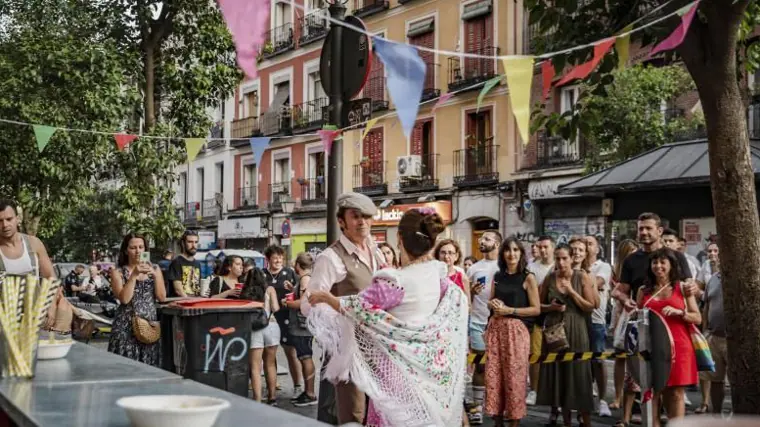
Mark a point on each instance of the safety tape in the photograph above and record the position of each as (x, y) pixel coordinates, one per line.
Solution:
(565, 356)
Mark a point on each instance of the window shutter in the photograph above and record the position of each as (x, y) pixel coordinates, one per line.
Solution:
(416, 145)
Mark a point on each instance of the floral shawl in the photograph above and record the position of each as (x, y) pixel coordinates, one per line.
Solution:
(413, 374)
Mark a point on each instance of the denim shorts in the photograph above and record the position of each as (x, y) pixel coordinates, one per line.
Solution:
(477, 342)
(598, 337)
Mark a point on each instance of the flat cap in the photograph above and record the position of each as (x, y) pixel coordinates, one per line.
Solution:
(357, 201)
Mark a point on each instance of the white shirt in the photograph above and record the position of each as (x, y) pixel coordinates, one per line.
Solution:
(540, 270)
(482, 272)
(422, 291)
(601, 269)
(693, 264)
(705, 273)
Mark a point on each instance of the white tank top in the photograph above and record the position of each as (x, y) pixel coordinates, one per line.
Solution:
(19, 266)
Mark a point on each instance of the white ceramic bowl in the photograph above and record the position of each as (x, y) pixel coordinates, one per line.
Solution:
(56, 350)
(172, 410)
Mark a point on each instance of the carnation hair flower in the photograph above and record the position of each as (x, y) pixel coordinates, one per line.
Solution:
(426, 211)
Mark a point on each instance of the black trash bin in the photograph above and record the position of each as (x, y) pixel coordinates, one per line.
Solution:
(210, 341)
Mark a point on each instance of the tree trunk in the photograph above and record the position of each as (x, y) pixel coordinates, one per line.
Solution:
(30, 224)
(150, 86)
(710, 56)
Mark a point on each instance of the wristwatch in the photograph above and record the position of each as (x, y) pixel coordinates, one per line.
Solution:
(514, 312)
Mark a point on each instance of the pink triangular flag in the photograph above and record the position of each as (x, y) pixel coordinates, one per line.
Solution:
(442, 100)
(328, 136)
(547, 75)
(123, 139)
(582, 71)
(247, 20)
(676, 37)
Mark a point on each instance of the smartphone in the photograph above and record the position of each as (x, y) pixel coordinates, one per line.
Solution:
(145, 257)
(482, 281)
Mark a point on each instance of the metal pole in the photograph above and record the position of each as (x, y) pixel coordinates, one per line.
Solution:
(335, 160)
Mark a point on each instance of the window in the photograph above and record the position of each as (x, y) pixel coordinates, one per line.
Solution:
(250, 104)
(317, 4)
(281, 14)
(199, 179)
(315, 90)
(250, 177)
(219, 179)
(422, 33)
(568, 98)
(316, 164)
(479, 129)
(478, 38)
(283, 87)
(480, 155)
(372, 159)
(282, 171)
(182, 188)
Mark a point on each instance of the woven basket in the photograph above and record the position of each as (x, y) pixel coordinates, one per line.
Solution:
(145, 331)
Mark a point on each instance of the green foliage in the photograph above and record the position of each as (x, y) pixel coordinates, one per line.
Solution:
(94, 224)
(628, 120)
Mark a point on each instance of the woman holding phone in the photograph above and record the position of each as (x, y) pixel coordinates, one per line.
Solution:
(137, 285)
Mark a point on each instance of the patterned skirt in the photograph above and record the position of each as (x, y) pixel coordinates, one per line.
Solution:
(507, 362)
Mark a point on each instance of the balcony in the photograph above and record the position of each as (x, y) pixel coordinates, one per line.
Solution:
(370, 7)
(216, 143)
(429, 91)
(474, 71)
(206, 211)
(278, 40)
(369, 178)
(313, 27)
(426, 181)
(310, 116)
(193, 213)
(313, 191)
(476, 166)
(555, 151)
(277, 191)
(212, 208)
(277, 124)
(247, 197)
(375, 90)
(242, 129)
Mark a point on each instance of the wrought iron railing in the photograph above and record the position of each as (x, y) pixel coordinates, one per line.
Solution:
(313, 26)
(277, 191)
(366, 8)
(430, 89)
(278, 40)
(427, 180)
(247, 196)
(466, 72)
(476, 165)
(246, 128)
(375, 90)
(276, 123)
(369, 178)
(313, 190)
(310, 115)
(554, 151)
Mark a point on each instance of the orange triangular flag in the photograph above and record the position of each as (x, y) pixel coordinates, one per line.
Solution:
(582, 71)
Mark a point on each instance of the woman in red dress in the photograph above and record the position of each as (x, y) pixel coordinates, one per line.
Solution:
(662, 293)
(448, 251)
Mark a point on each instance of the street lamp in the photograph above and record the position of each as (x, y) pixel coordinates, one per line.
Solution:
(288, 204)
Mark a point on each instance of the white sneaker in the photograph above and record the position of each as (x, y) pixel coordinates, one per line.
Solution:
(297, 391)
(604, 409)
(686, 400)
(531, 400)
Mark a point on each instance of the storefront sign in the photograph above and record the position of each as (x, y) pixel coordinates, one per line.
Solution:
(549, 188)
(241, 228)
(379, 236)
(698, 232)
(206, 240)
(393, 214)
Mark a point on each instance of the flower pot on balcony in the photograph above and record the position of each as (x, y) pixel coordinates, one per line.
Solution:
(320, 180)
(302, 181)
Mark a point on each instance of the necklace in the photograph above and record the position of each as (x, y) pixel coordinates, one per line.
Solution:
(277, 277)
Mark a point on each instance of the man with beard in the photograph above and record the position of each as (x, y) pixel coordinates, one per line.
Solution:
(481, 275)
(20, 254)
(185, 270)
(346, 268)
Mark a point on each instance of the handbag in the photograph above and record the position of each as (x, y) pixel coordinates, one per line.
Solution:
(259, 316)
(82, 329)
(145, 331)
(555, 338)
(705, 361)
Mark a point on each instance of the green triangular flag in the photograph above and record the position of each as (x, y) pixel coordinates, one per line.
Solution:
(682, 11)
(487, 88)
(193, 147)
(43, 134)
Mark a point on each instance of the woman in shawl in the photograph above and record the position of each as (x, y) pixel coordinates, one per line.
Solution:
(403, 340)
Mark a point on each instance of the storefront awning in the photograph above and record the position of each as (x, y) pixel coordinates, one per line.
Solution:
(671, 165)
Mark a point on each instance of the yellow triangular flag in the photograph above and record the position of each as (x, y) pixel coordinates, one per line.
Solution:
(519, 71)
(622, 47)
(370, 125)
(193, 147)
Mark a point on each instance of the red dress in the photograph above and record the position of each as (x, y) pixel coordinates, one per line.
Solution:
(683, 371)
(458, 279)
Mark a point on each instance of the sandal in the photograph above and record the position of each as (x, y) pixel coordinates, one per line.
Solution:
(614, 405)
(703, 409)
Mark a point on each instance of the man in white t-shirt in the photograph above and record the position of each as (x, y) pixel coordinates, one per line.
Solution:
(481, 277)
(542, 266)
(601, 272)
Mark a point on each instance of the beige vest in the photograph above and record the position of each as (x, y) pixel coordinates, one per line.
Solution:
(358, 274)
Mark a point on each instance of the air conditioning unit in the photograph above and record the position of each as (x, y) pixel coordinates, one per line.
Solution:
(409, 166)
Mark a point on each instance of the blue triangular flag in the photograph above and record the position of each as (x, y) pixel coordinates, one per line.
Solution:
(258, 146)
(406, 78)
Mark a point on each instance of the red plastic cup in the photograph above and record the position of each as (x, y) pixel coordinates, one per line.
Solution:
(239, 286)
(290, 297)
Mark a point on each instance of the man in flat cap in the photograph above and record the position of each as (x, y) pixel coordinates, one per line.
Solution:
(346, 268)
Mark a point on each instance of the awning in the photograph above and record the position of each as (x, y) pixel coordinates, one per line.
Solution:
(670, 165)
(421, 27)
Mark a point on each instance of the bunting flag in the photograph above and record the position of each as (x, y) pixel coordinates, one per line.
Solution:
(370, 124)
(406, 77)
(582, 71)
(43, 135)
(258, 146)
(327, 135)
(442, 99)
(193, 147)
(547, 75)
(519, 72)
(123, 139)
(247, 20)
(623, 47)
(676, 37)
(487, 88)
